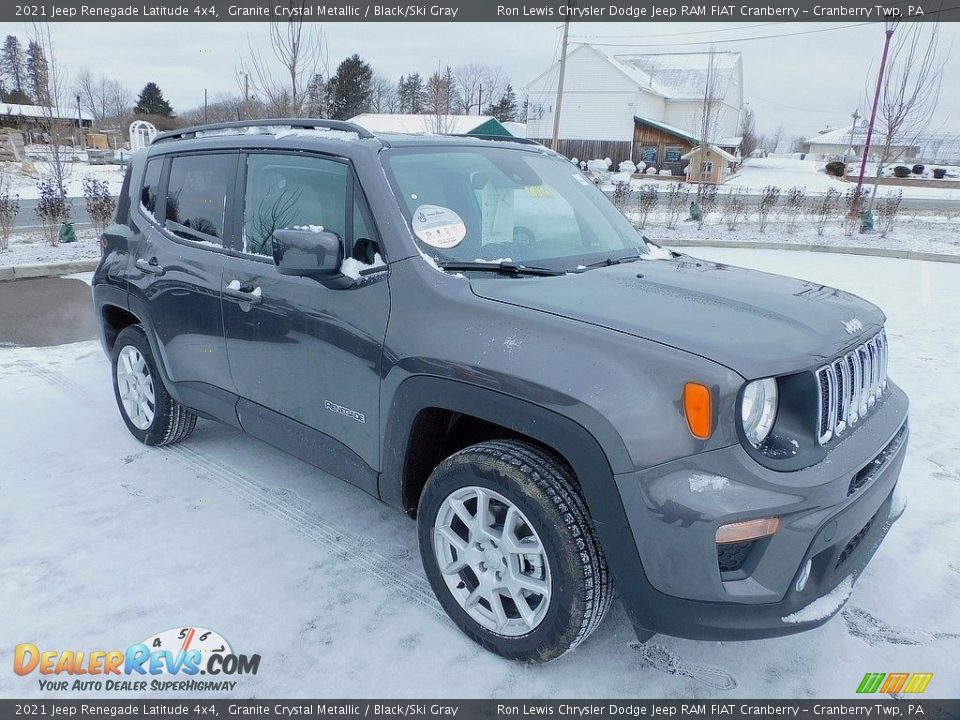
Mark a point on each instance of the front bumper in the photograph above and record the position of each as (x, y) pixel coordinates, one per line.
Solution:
(674, 511)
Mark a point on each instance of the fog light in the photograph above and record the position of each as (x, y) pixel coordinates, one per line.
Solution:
(804, 576)
(748, 530)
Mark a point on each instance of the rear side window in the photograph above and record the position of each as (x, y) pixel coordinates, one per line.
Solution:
(151, 186)
(196, 196)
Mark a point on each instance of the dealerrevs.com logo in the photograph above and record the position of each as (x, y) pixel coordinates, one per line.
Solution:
(172, 660)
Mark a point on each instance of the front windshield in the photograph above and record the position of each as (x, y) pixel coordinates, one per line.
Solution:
(467, 204)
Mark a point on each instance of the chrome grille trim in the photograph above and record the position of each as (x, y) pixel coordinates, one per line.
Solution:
(849, 386)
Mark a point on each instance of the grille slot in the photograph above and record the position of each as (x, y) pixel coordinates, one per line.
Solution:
(850, 386)
(854, 542)
(732, 556)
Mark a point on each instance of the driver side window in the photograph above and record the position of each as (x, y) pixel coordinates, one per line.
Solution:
(292, 192)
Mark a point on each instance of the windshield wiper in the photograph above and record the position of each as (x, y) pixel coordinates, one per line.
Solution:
(607, 262)
(504, 267)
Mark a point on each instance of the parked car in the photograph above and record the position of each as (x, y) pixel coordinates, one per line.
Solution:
(469, 331)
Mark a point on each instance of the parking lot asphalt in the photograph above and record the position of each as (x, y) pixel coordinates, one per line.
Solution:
(39, 312)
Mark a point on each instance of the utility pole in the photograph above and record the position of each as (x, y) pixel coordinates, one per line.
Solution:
(563, 67)
(204, 106)
(876, 101)
(853, 128)
(480, 99)
(246, 94)
(83, 139)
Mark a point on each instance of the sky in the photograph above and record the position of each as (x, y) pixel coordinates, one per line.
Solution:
(805, 82)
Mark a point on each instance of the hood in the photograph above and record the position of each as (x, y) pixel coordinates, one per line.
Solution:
(754, 323)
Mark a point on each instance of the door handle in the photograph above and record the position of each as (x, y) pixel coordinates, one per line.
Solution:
(246, 293)
(151, 266)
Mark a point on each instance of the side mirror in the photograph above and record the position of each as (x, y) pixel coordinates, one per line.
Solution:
(317, 255)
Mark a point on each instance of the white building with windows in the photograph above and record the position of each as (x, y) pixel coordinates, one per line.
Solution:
(638, 107)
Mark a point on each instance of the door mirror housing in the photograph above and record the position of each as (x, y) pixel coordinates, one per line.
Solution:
(306, 253)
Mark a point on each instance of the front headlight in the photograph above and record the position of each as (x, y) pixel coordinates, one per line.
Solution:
(758, 409)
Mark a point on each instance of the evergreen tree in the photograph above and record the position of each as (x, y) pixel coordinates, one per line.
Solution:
(505, 109)
(350, 87)
(14, 64)
(151, 102)
(38, 74)
(410, 94)
(317, 97)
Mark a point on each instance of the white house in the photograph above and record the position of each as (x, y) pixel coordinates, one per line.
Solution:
(637, 107)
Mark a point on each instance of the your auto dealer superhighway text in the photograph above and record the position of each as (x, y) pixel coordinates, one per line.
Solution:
(685, 710)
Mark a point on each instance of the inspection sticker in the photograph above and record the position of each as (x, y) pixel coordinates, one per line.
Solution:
(438, 226)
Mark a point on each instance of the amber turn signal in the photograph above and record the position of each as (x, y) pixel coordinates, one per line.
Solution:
(748, 530)
(696, 406)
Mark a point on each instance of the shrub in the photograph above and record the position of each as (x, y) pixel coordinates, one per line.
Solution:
(939, 173)
(707, 198)
(52, 208)
(100, 203)
(836, 168)
(796, 197)
(621, 195)
(887, 209)
(824, 207)
(646, 201)
(9, 208)
(734, 208)
(768, 200)
(901, 171)
(917, 169)
(677, 200)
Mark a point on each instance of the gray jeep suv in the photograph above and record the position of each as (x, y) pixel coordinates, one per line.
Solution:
(468, 330)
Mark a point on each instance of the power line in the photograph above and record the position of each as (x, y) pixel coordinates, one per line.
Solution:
(731, 40)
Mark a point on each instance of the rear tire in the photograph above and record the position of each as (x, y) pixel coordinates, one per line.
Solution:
(524, 576)
(150, 414)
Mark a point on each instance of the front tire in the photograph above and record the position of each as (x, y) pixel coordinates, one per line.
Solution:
(150, 414)
(510, 551)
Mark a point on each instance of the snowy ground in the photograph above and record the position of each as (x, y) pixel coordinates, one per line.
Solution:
(26, 186)
(107, 542)
(786, 172)
(31, 249)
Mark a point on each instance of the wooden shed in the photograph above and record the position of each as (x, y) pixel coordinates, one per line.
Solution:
(709, 164)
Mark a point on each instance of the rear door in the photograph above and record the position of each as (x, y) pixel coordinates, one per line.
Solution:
(297, 348)
(175, 281)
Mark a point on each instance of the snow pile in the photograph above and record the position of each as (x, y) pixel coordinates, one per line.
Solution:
(655, 252)
(323, 133)
(899, 504)
(309, 228)
(352, 267)
(701, 483)
(627, 167)
(825, 606)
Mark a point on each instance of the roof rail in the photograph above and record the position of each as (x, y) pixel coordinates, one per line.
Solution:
(501, 138)
(293, 123)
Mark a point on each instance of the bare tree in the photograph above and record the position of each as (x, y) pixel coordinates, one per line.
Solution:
(93, 92)
(383, 94)
(711, 100)
(748, 131)
(773, 142)
(478, 84)
(55, 165)
(908, 95)
(300, 52)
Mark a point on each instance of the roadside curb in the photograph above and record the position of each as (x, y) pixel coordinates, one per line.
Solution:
(19, 272)
(873, 252)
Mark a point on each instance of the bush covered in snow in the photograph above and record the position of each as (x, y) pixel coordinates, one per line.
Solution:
(651, 170)
(627, 166)
(597, 166)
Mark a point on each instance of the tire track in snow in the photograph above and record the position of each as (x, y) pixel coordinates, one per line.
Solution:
(874, 631)
(360, 552)
(666, 661)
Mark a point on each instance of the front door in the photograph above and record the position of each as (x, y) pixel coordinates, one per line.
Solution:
(306, 352)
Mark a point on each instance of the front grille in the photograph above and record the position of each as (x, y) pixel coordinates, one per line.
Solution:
(869, 471)
(850, 386)
(732, 556)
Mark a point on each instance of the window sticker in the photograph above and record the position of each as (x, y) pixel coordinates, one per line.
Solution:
(438, 227)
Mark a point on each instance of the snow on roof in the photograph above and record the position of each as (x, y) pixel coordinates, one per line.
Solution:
(722, 153)
(682, 75)
(517, 129)
(40, 111)
(669, 129)
(421, 124)
(837, 136)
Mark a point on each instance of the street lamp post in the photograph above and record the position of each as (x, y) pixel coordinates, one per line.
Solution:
(83, 140)
(888, 33)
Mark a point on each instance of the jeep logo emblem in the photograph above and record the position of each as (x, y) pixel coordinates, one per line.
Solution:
(852, 326)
